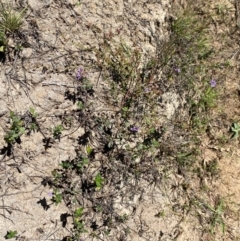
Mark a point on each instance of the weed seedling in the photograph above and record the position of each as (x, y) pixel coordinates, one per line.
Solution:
(16, 129)
(33, 112)
(89, 150)
(98, 208)
(217, 216)
(123, 218)
(78, 213)
(57, 197)
(78, 223)
(66, 165)
(80, 105)
(11, 234)
(82, 162)
(212, 168)
(98, 181)
(235, 129)
(57, 131)
(208, 98)
(33, 125)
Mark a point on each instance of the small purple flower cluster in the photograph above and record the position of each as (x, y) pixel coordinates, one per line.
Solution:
(79, 73)
(134, 129)
(213, 83)
(147, 89)
(178, 70)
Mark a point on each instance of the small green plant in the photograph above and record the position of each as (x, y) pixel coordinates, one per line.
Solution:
(98, 208)
(78, 224)
(78, 3)
(186, 159)
(57, 176)
(57, 197)
(10, 20)
(99, 180)
(89, 150)
(33, 112)
(66, 165)
(235, 129)
(222, 9)
(33, 125)
(80, 105)
(212, 167)
(82, 162)
(217, 217)
(123, 218)
(78, 213)
(86, 85)
(208, 98)
(18, 48)
(57, 131)
(11, 234)
(216, 214)
(16, 129)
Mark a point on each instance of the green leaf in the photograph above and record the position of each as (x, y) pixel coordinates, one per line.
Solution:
(99, 181)
(78, 212)
(78, 3)
(2, 48)
(125, 109)
(235, 128)
(33, 113)
(66, 164)
(89, 150)
(80, 105)
(57, 197)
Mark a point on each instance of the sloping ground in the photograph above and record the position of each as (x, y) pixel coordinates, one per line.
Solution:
(158, 182)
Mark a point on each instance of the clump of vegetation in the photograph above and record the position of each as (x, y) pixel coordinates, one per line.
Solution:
(137, 142)
(235, 129)
(10, 22)
(132, 141)
(11, 234)
(16, 129)
(57, 131)
(57, 197)
(98, 181)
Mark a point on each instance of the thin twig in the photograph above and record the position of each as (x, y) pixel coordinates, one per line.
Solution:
(237, 13)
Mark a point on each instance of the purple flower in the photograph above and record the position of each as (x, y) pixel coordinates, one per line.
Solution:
(178, 70)
(134, 129)
(213, 83)
(79, 73)
(50, 194)
(147, 90)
